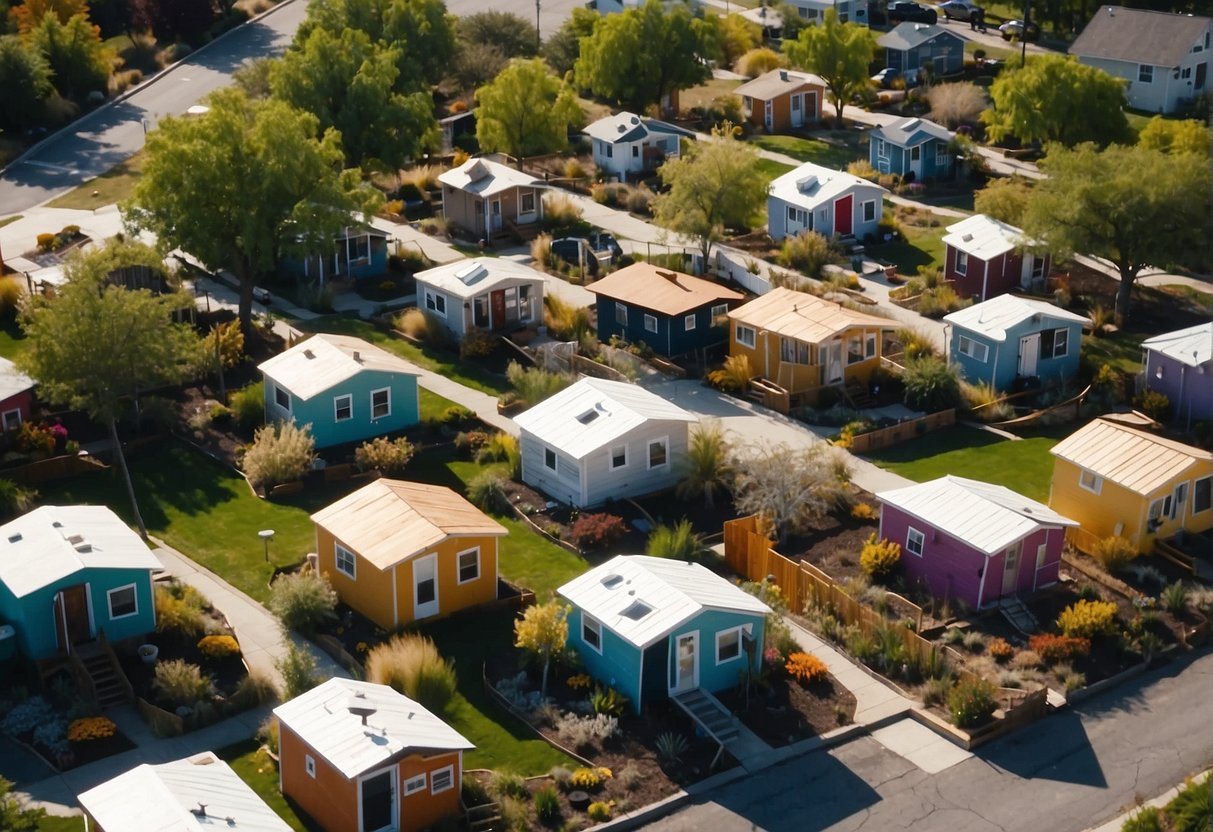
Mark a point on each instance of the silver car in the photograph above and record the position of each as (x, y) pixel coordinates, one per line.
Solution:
(958, 9)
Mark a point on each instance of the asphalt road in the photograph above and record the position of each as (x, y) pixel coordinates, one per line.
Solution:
(1069, 771)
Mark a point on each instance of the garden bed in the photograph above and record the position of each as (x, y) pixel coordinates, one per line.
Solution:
(789, 711)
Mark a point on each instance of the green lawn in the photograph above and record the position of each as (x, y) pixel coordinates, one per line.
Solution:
(115, 185)
(432, 405)
(922, 246)
(533, 561)
(810, 150)
(772, 170)
(1121, 350)
(1025, 466)
(12, 339)
(57, 823)
(8, 220)
(256, 769)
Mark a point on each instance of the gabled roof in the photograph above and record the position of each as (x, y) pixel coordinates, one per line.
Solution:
(1131, 458)
(594, 412)
(983, 237)
(803, 317)
(777, 82)
(170, 797)
(1139, 36)
(328, 719)
(629, 127)
(642, 599)
(661, 290)
(985, 516)
(908, 35)
(992, 318)
(389, 521)
(52, 542)
(811, 185)
(1192, 346)
(468, 278)
(12, 380)
(908, 132)
(484, 177)
(325, 360)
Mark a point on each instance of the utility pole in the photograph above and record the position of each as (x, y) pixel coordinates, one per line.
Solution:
(1023, 46)
(538, 39)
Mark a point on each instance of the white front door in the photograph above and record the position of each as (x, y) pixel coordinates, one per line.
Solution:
(768, 116)
(916, 161)
(1029, 350)
(686, 665)
(1010, 569)
(495, 216)
(797, 109)
(425, 586)
(834, 361)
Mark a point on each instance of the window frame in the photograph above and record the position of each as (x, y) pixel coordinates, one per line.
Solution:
(664, 442)
(1061, 343)
(1164, 505)
(734, 631)
(339, 553)
(349, 400)
(975, 346)
(869, 345)
(961, 264)
(281, 392)
(459, 579)
(867, 210)
(9, 420)
(719, 311)
(612, 456)
(942, 155)
(1145, 73)
(1096, 484)
(109, 601)
(433, 299)
(911, 533)
(309, 765)
(689, 322)
(650, 323)
(854, 356)
(593, 625)
(739, 335)
(1207, 482)
(411, 786)
(448, 774)
(549, 452)
(388, 404)
(621, 314)
(522, 200)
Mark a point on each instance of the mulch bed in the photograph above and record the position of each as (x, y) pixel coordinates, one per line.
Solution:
(789, 711)
(558, 519)
(834, 543)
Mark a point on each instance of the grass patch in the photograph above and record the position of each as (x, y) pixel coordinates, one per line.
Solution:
(535, 562)
(115, 185)
(257, 770)
(811, 150)
(11, 219)
(1192, 295)
(432, 405)
(993, 53)
(922, 246)
(705, 94)
(772, 170)
(61, 823)
(1121, 350)
(12, 339)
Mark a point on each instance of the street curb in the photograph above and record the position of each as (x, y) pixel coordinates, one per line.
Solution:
(1116, 823)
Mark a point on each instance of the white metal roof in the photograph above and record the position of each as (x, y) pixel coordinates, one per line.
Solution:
(811, 185)
(325, 360)
(1192, 346)
(642, 598)
(52, 542)
(484, 177)
(170, 797)
(1134, 459)
(594, 412)
(983, 237)
(468, 278)
(395, 724)
(911, 131)
(995, 316)
(776, 82)
(985, 516)
(12, 380)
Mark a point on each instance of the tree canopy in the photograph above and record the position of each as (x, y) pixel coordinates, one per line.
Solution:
(512, 34)
(564, 47)
(1175, 136)
(839, 53)
(29, 13)
(1004, 199)
(543, 629)
(1133, 206)
(1054, 98)
(79, 61)
(525, 111)
(25, 83)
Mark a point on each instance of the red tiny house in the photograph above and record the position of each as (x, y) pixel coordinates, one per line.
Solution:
(985, 258)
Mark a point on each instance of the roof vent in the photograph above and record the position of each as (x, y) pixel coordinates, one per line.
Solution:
(476, 171)
(359, 706)
(357, 356)
(84, 548)
(613, 580)
(636, 610)
(783, 75)
(200, 812)
(968, 238)
(589, 416)
(16, 538)
(621, 128)
(918, 27)
(75, 539)
(56, 525)
(806, 184)
(911, 124)
(307, 353)
(470, 273)
(634, 119)
(670, 276)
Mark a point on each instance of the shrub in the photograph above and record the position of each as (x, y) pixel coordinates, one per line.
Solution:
(1000, 649)
(1175, 598)
(863, 169)
(591, 531)
(971, 702)
(678, 541)
(411, 664)
(915, 344)
(532, 385)
(478, 343)
(1113, 553)
(863, 511)
(587, 779)
(248, 406)
(940, 300)
(1052, 648)
(298, 669)
(218, 647)
(387, 456)
(177, 616)
(508, 784)
(487, 492)
(303, 601)
(670, 747)
(253, 690)
(560, 213)
(757, 61)
(1189, 810)
(806, 668)
(639, 199)
(935, 690)
(10, 297)
(47, 242)
(541, 252)
(471, 441)
(547, 804)
(502, 447)
(1072, 680)
(879, 558)
(573, 169)
(15, 499)
(955, 104)
(630, 776)
(599, 811)
(931, 384)
(808, 252)
(424, 327)
(1145, 819)
(733, 376)
(91, 728)
(280, 453)
(610, 702)
(581, 731)
(565, 322)
(180, 682)
(1087, 619)
(1154, 404)
(974, 641)
(1026, 660)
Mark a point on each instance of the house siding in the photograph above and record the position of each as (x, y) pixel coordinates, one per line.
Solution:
(318, 411)
(22, 402)
(897, 159)
(715, 677)
(671, 338)
(617, 666)
(563, 484)
(1001, 367)
(781, 109)
(1165, 93)
(636, 478)
(324, 267)
(458, 319)
(986, 279)
(1189, 390)
(945, 51)
(766, 360)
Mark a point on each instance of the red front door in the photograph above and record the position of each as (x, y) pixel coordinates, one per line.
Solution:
(843, 214)
(497, 300)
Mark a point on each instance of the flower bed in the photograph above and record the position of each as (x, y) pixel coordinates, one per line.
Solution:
(788, 711)
(60, 727)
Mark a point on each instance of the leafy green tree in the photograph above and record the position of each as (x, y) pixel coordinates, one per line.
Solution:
(25, 83)
(244, 184)
(1055, 98)
(349, 84)
(94, 346)
(14, 816)
(512, 34)
(641, 55)
(1175, 136)
(737, 37)
(79, 61)
(1132, 206)
(839, 53)
(715, 185)
(1004, 199)
(253, 77)
(564, 47)
(526, 111)
(543, 630)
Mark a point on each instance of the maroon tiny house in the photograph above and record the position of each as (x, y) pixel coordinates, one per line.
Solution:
(16, 396)
(983, 259)
(972, 541)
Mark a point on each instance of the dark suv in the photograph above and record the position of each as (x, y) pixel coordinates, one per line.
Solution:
(913, 12)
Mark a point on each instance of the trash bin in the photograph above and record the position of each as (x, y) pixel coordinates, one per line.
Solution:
(857, 259)
(8, 642)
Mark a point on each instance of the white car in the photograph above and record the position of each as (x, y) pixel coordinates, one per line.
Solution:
(958, 9)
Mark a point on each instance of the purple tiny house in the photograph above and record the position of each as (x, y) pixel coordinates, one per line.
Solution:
(973, 541)
(1179, 365)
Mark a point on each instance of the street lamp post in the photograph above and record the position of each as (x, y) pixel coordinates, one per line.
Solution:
(266, 536)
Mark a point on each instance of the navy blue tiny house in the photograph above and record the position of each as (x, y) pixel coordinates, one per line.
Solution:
(912, 148)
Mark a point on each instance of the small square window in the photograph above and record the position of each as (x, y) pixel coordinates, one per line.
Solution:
(12, 419)
(914, 541)
(469, 565)
(688, 323)
(720, 314)
(528, 202)
(442, 780)
(381, 403)
(1090, 481)
(635, 152)
(658, 454)
(1145, 73)
(962, 262)
(282, 398)
(1202, 495)
(122, 602)
(621, 314)
(650, 323)
(610, 151)
(591, 632)
(435, 302)
(344, 560)
(343, 408)
(1042, 554)
(745, 336)
(869, 211)
(728, 645)
(619, 456)
(549, 459)
(414, 784)
(309, 765)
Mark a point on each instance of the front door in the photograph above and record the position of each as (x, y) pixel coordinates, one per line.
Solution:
(377, 799)
(425, 586)
(797, 109)
(768, 117)
(916, 161)
(71, 617)
(686, 668)
(1201, 71)
(495, 216)
(497, 301)
(1010, 569)
(1029, 350)
(834, 361)
(843, 210)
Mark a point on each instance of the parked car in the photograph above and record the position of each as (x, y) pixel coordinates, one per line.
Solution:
(902, 11)
(578, 251)
(1016, 29)
(958, 9)
(888, 77)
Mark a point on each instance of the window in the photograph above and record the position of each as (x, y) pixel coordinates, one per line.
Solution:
(282, 398)
(1091, 482)
(12, 419)
(914, 541)
(745, 336)
(1201, 493)
(621, 314)
(1185, 73)
(619, 457)
(869, 345)
(688, 323)
(1042, 553)
(122, 602)
(720, 313)
(524, 303)
(442, 780)
(635, 152)
(1181, 498)
(1054, 343)
(650, 323)
(793, 214)
(1145, 74)
(549, 459)
(658, 453)
(469, 565)
(414, 784)
(528, 202)
(916, 153)
(309, 765)
(882, 149)
(962, 262)
(855, 348)
(344, 559)
(728, 645)
(787, 350)
(610, 151)
(591, 632)
(973, 349)
(435, 302)
(942, 157)
(358, 249)
(381, 403)
(1159, 509)
(343, 407)
(869, 210)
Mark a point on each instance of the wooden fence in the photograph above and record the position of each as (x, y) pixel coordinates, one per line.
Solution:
(55, 468)
(875, 440)
(1081, 539)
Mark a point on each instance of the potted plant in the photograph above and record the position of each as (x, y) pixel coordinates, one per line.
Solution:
(149, 653)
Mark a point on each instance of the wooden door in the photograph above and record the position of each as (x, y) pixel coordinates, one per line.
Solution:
(497, 301)
(71, 616)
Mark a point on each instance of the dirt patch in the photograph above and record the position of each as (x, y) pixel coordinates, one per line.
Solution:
(834, 543)
(789, 711)
(1154, 309)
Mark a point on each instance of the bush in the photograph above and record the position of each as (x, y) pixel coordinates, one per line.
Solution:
(303, 601)
(478, 343)
(560, 213)
(863, 169)
(599, 811)
(15, 499)
(91, 728)
(532, 385)
(955, 104)
(974, 641)
(1087, 619)
(248, 406)
(610, 702)
(564, 321)
(734, 376)
(757, 61)
(1189, 810)
(573, 169)
(547, 804)
(10, 298)
(502, 447)
(971, 702)
(806, 668)
(177, 616)
(253, 690)
(487, 492)
(541, 253)
(1145, 819)
(939, 301)
(280, 453)
(471, 441)
(424, 327)
(879, 558)
(1113, 553)
(931, 384)
(508, 784)
(808, 252)
(639, 199)
(181, 683)
(591, 531)
(219, 646)
(915, 344)
(298, 669)
(47, 242)
(387, 456)
(1175, 598)
(679, 542)
(1000, 650)
(581, 731)
(1154, 404)
(411, 664)
(864, 511)
(1053, 648)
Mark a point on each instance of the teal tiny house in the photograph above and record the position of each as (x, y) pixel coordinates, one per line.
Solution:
(652, 628)
(347, 389)
(69, 574)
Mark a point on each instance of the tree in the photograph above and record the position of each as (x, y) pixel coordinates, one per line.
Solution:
(715, 184)
(737, 37)
(253, 77)
(1004, 199)
(1055, 98)
(708, 469)
(79, 61)
(1133, 206)
(543, 630)
(512, 34)
(221, 349)
(837, 52)
(29, 13)
(790, 488)
(526, 111)
(350, 84)
(243, 184)
(564, 47)
(94, 346)
(639, 56)
(1171, 136)
(25, 83)
(14, 817)
(955, 104)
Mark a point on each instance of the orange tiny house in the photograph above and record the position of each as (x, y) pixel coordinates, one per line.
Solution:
(398, 552)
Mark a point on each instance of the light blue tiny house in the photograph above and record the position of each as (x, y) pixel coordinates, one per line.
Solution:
(1011, 339)
(912, 148)
(68, 574)
(347, 389)
(652, 628)
(358, 252)
(910, 46)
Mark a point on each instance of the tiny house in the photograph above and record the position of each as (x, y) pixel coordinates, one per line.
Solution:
(985, 258)
(830, 202)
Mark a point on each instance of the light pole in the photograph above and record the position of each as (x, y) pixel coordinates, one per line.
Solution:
(266, 536)
(538, 39)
